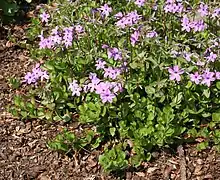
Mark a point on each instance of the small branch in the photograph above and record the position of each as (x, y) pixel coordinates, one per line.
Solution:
(180, 151)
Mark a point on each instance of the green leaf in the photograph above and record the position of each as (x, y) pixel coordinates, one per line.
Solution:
(206, 92)
(218, 85)
(202, 145)
(112, 131)
(136, 160)
(216, 117)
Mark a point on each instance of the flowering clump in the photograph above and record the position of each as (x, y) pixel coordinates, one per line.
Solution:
(143, 72)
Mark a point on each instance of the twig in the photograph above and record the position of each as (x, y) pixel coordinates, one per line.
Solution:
(182, 162)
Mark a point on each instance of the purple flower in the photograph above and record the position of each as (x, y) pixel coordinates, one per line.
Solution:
(140, 3)
(134, 37)
(217, 75)
(75, 88)
(29, 78)
(79, 29)
(44, 17)
(119, 15)
(94, 82)
(216, 13)
(175, 73)
(55, 31)
(111, 73)
(35, 75)
(187, 56)
(151, 34)
(116, 87)
(185, 24)
(198, 25)
(114, 53)
(196, 77)
(122, 23)
(105, 10)
(56, 39)
(212, 57)
(107, 96)
(200, 63)
(173, 7)
(134, 16)
(208, 77)
(203, 10)
(105, 46)
(100, 64)
(42, 43)
(102, 87)
(128, 20)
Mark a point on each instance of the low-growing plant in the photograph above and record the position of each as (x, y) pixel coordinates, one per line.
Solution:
(146, 72)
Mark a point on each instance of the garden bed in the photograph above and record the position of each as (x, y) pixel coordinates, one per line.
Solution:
(24, 151)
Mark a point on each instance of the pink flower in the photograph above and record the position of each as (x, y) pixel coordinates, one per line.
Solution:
(175, 73)
(134, 37)
(100, 64)
(212, 57)
(217, 75)
(203, 10)
(75, 88)
(196, 77)
(140, 3)
(208, 77)
(105, 10)
(44, 17)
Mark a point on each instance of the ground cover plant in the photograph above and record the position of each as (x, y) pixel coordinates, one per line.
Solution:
(141, 74)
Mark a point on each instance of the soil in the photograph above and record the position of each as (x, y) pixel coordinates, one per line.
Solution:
(23, 145)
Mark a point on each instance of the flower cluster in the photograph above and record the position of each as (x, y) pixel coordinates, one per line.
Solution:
(196, 26)
(206, 77)
(36, 74)
(105, 89)
(127, 20)
(64, 37)
(172, 7)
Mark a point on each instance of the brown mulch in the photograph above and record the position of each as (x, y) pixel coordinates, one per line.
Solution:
(23, 145)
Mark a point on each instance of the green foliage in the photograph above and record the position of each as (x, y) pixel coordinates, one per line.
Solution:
(14, 83)
(69, 142)
(9, 7)
(113, 159)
